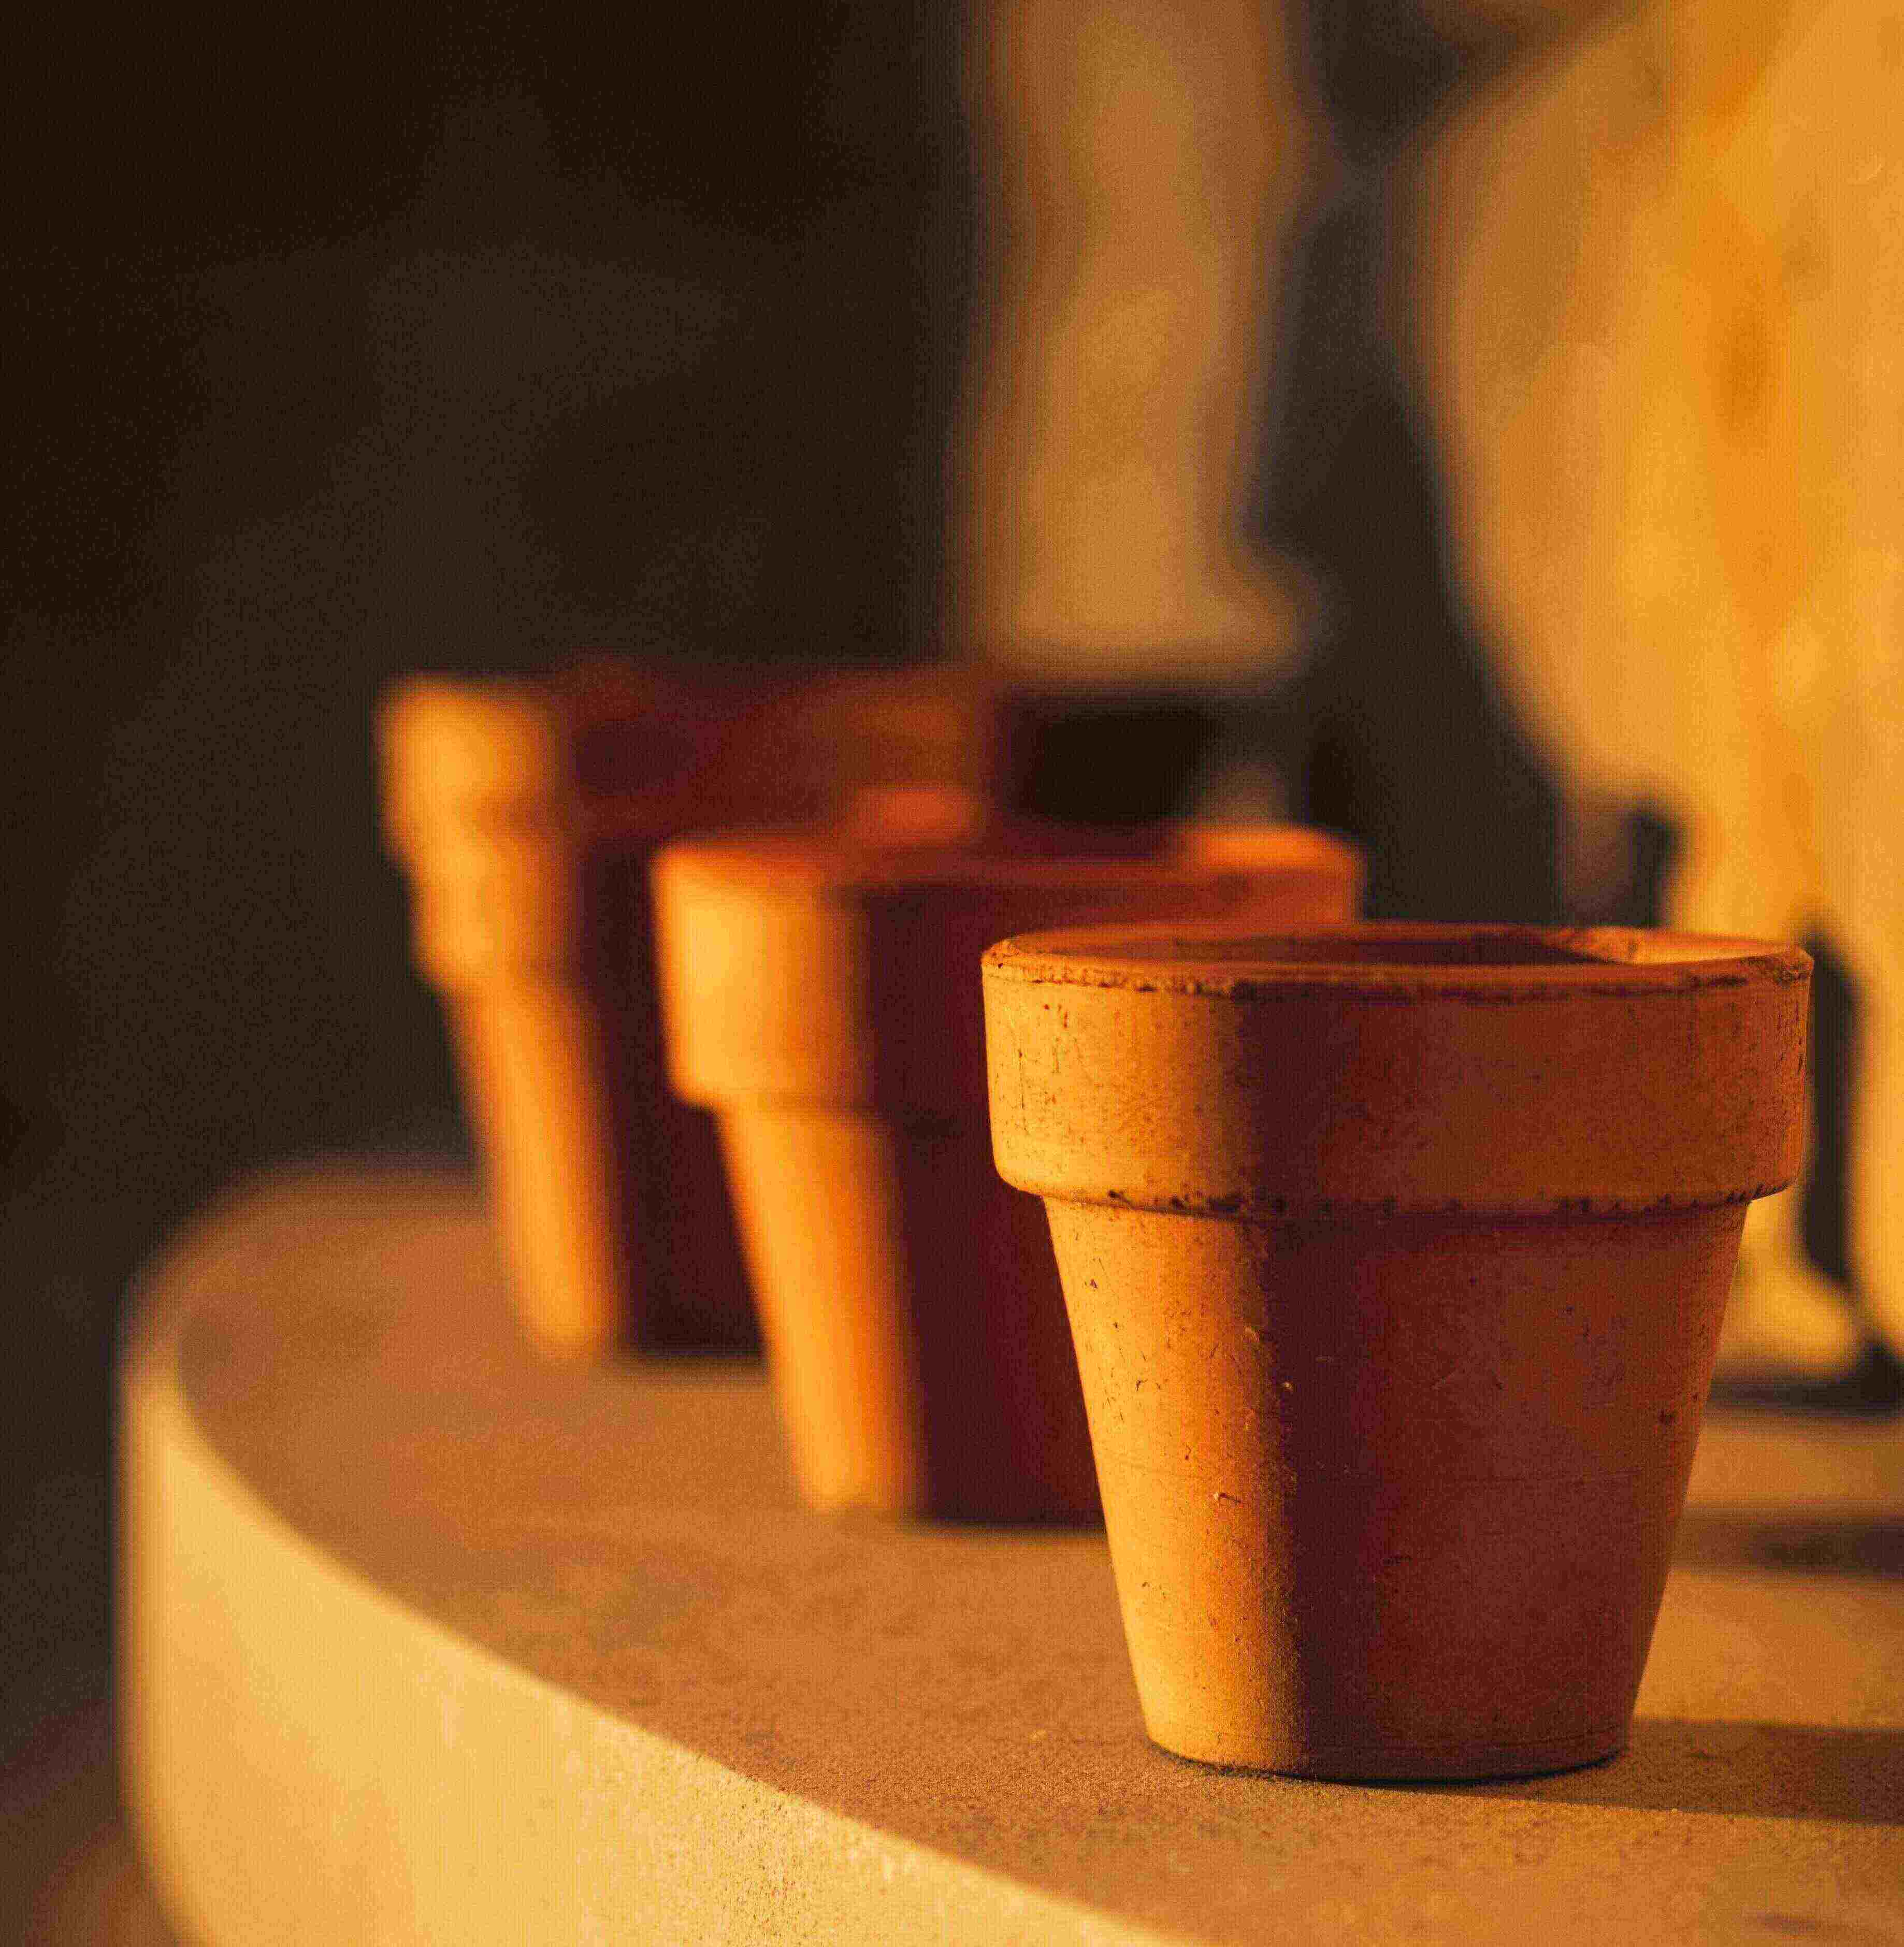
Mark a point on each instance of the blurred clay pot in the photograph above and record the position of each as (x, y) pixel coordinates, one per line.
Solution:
(1395, 1257)
(525, 813)
(821, 994)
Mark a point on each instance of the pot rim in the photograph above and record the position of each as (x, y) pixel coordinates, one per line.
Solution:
(1532, 1072)
(825, 967)
(1392, 959)
(455, 753)
(469, 762)
(848, 861)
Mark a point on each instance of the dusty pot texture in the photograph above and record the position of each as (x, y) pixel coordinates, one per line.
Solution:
(821, 994)
(1395, 1257)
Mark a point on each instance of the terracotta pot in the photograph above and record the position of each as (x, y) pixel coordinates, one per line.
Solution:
(1395, 1257)
(820, 993)
(525, 813)
(512, 807)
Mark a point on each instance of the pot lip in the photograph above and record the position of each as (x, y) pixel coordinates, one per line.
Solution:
(1244, 964)
(848, 859)
(454, 752)
(473, 764)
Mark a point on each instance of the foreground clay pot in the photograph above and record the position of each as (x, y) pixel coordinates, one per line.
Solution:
(820, 993)
(1395, 1257)
(525, 813)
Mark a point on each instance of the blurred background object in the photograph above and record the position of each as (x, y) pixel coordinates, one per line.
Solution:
(471, 339)
(1653, 293)
(1137, 168)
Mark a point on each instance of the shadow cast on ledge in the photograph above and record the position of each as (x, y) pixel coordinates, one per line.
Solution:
(1723, 1540)
(1744, 1770)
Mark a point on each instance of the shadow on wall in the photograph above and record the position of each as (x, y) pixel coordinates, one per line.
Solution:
(1405, 738)
(1401, 731)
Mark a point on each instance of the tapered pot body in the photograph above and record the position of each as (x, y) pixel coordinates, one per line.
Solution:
(821, 995)
(1395, 1260)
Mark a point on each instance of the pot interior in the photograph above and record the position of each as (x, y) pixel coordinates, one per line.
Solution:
(1370, 946)
(1436, 953)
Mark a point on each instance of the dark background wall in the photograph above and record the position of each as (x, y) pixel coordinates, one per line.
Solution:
(339, 344)
(335, 344)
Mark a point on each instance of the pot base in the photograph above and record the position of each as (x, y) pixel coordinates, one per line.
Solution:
(1419, 1766)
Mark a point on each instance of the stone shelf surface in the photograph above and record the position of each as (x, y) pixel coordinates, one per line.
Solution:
(428, 1640)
